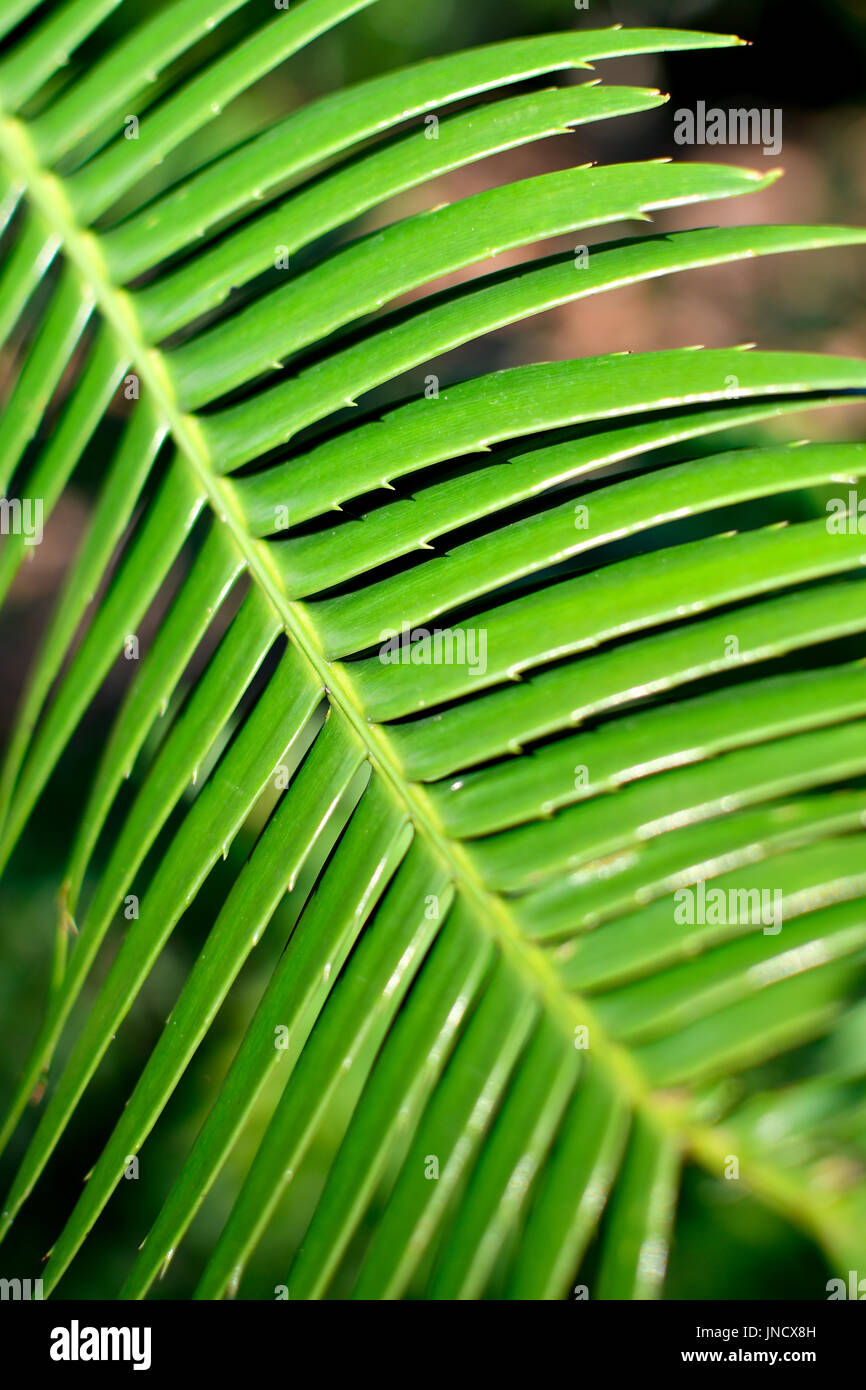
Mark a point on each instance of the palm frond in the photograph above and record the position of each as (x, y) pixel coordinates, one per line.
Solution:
(463, 687)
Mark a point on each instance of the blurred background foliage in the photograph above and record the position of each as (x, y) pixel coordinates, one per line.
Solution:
(807, 59)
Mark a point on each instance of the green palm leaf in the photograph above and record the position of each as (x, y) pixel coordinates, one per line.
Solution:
(478, 1021)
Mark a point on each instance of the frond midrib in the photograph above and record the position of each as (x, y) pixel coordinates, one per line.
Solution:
(707, 1145)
